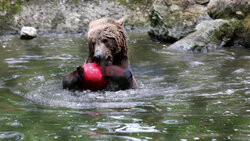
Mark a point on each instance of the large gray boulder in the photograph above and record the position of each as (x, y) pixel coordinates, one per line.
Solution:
(209, 35)
(173, 20)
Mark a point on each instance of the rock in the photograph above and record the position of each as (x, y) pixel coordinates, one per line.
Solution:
(242, 32)
(202, 2)
(209, 35)
(173, 20)
(28, 32)
(237, 12)
(247, 29)
(228, 8)
(70, 15)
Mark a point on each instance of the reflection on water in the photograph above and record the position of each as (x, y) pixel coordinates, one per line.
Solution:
(181, 96)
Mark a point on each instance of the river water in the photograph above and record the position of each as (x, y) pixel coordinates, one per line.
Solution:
(181, 96)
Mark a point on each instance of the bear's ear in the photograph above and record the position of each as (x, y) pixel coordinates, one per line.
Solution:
(121, 21)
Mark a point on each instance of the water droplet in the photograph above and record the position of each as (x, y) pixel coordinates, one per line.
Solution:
(230, 91)
(238, 71)
(196, 63)
(79, 136)
(196, 138)
(56, 137)
(228, 113)
(171, 122)
(236, 129)
(169, 109)
(211, 120)
(93, 129)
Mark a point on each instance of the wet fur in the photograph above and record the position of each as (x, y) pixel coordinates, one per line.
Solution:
(108, 35)
(109, 29)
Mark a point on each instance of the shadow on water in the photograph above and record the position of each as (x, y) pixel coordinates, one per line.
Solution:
(180, 96)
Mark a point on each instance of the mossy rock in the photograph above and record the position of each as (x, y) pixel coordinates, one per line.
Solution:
(173, 20)
(228, 9)
(242, 33)
(209, 35)
(246, 25)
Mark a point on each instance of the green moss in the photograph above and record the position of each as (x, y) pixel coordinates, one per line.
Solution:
(225, 31)
(246, 22)
(242, 30)
(154, 18)
(8, 8)
(217, 12)
(246, 28)
(12, 7)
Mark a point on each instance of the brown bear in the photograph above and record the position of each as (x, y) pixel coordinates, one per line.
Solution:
(107, 47)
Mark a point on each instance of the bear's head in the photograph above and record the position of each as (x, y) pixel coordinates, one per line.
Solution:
(107, 42)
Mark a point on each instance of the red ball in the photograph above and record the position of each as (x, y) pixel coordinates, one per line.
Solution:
(93, 77)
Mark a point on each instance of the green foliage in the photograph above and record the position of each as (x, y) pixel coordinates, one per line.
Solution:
(8, 8)
(11, 6)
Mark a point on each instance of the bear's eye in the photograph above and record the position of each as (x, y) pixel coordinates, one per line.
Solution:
(104, 41)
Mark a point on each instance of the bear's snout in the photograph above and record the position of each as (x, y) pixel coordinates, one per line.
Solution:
(98, 56)
(100, 53)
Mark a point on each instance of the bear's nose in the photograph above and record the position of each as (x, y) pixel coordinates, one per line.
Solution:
(97, 56)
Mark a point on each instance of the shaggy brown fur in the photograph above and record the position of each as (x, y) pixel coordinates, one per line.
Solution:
(107, 47)
(108, 29)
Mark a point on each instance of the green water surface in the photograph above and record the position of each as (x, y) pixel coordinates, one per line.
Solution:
(181, 96)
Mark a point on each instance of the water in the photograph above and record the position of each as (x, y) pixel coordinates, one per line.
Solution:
(181, 96)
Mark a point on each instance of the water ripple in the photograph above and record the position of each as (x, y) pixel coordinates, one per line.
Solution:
(136, 128)
(238, 71)
(11, 135)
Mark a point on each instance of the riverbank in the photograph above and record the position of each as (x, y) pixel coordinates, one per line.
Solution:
(68, 16)
(190, 25)
(201, 25)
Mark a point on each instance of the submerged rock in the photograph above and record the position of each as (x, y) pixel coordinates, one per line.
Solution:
(209, 35)
(28, 32)
(172, 20)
